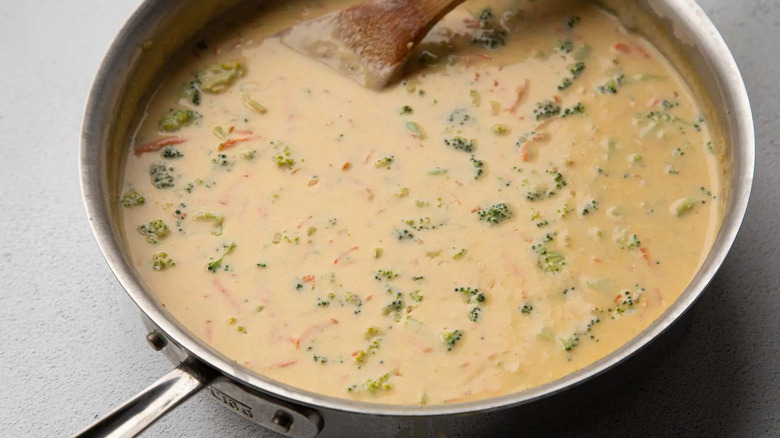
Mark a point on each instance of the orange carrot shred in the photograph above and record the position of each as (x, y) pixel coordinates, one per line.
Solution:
(158, 144)
(229, 143)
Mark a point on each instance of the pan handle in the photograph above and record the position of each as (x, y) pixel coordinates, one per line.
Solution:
(153, 402)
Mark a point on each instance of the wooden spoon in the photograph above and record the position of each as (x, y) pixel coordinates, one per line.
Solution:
(371, 41)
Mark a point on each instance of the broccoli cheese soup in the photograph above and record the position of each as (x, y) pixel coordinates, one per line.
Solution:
(535, 191)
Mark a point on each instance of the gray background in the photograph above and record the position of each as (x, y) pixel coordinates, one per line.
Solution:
(71, 342)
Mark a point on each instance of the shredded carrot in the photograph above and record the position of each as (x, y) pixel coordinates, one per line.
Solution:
(346, 166)
(284, 364)
(226, 293)
(476, 209)
(229, 143)
(520, 94)
(344, 254)
(471, 23)
(334, 320)
(158, 144)
(620, 47)
(308, 278)
(524, 151)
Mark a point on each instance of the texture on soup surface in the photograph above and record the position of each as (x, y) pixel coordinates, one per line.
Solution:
(537, 190)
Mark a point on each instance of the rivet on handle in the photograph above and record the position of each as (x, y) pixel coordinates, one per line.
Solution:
(283, 420)
(156, 340)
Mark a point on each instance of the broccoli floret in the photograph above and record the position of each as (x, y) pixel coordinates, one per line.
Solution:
(495, 214)
(171, 152)
(576, 109)
(161, 261)
(634, 243)
(373, 386)
(479, 166)
(384, 161)
(576, 69)
(558, 179)
(451, 338)
(216, 78)
(416, 296)
(573, 21)
(459, 117)
(154, 230)
(527, 309)
(385, 274)
(491, 38)
(485, 17)
(175, 119)
(474, 314)
(546, 109)
(611, 86)
(132, 197)
(161, 175)
(625, 302)
(589, 207)
(472, 295)
(406, 109)
(394, 306)
(403, 234)
(284, 159)
(549, 261)
(227, 248)
(565, 46)
(570, 342)
(460, 144)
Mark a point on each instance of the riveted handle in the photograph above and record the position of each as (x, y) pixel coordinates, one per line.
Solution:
(152, 403)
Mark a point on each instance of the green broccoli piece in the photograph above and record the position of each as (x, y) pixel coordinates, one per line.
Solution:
(495, 214)
(161, 261)
(227, 248)
(546, 109)
(460, 144)
(284, 159)
(175, 119)
(565, 46)
(132, 197)
(154, 230)
(549, 261)
(170, 152)
(576, 109)
(491, 38)
(479, 166)
(472, 295)
(451, 338)
(161, 175)
(216, 78)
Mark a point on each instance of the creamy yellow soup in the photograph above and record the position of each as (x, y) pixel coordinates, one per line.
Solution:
(537, 189)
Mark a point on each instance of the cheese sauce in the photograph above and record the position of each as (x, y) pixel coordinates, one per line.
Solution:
(537, 190)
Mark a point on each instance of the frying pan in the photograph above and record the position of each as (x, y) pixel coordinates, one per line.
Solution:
(157, 29)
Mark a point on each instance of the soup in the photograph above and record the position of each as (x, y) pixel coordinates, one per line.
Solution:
(538, 188)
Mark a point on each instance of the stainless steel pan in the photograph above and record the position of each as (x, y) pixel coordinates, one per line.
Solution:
(138, 54)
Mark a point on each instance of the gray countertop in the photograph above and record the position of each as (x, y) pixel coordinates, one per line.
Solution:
(72, 345)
